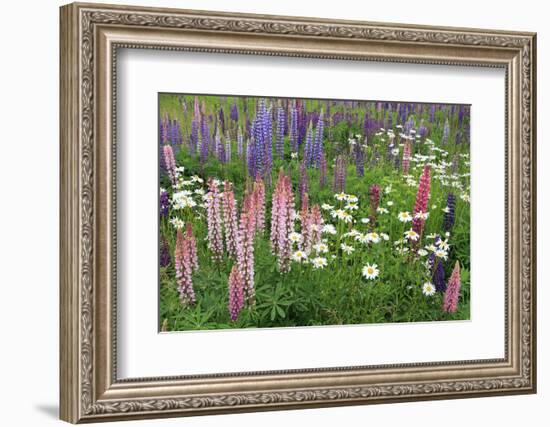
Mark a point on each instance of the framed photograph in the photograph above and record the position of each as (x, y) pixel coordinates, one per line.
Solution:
(267, 212)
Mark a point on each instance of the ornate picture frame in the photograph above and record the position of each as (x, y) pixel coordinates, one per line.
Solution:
(90, 37)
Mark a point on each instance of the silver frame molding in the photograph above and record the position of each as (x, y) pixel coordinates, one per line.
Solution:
(90, 37)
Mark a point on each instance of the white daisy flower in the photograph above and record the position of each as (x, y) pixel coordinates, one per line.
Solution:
(411, 235)
(428, 289)
(346, 217)
(352, 233)
(422, 252)
(370, 271)
(389, 203)
(382, 210)
(347, 248)
(337, 213)
(404, 217)
(293, 155)
(329, 229)
(327, 207)
(177, 223)
(443, 244)
(181, 200)
(440, 253)
(446, 209)
(351, 207)
(362, 238)
(373, 237)
(365, 220)
(319, 262)
(352, 199)
(321, 248)
(340, 196)
(299, 256)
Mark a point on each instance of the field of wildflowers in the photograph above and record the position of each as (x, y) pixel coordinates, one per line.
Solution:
(300, 212)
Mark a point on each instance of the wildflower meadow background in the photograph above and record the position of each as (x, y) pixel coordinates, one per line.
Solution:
(299, 212)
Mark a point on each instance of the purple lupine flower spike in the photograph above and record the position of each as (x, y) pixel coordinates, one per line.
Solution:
(439, 276)
(240, 142)
(251, 157)
(318, 143)
(221, 116)
(227, 149)
(280, 136)
(205, 140)
(449, 218)
(164, 203)
(308, 148)
(164, 257)
(359, 160)
(234, 113)
(293, 128)
(268, 144)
